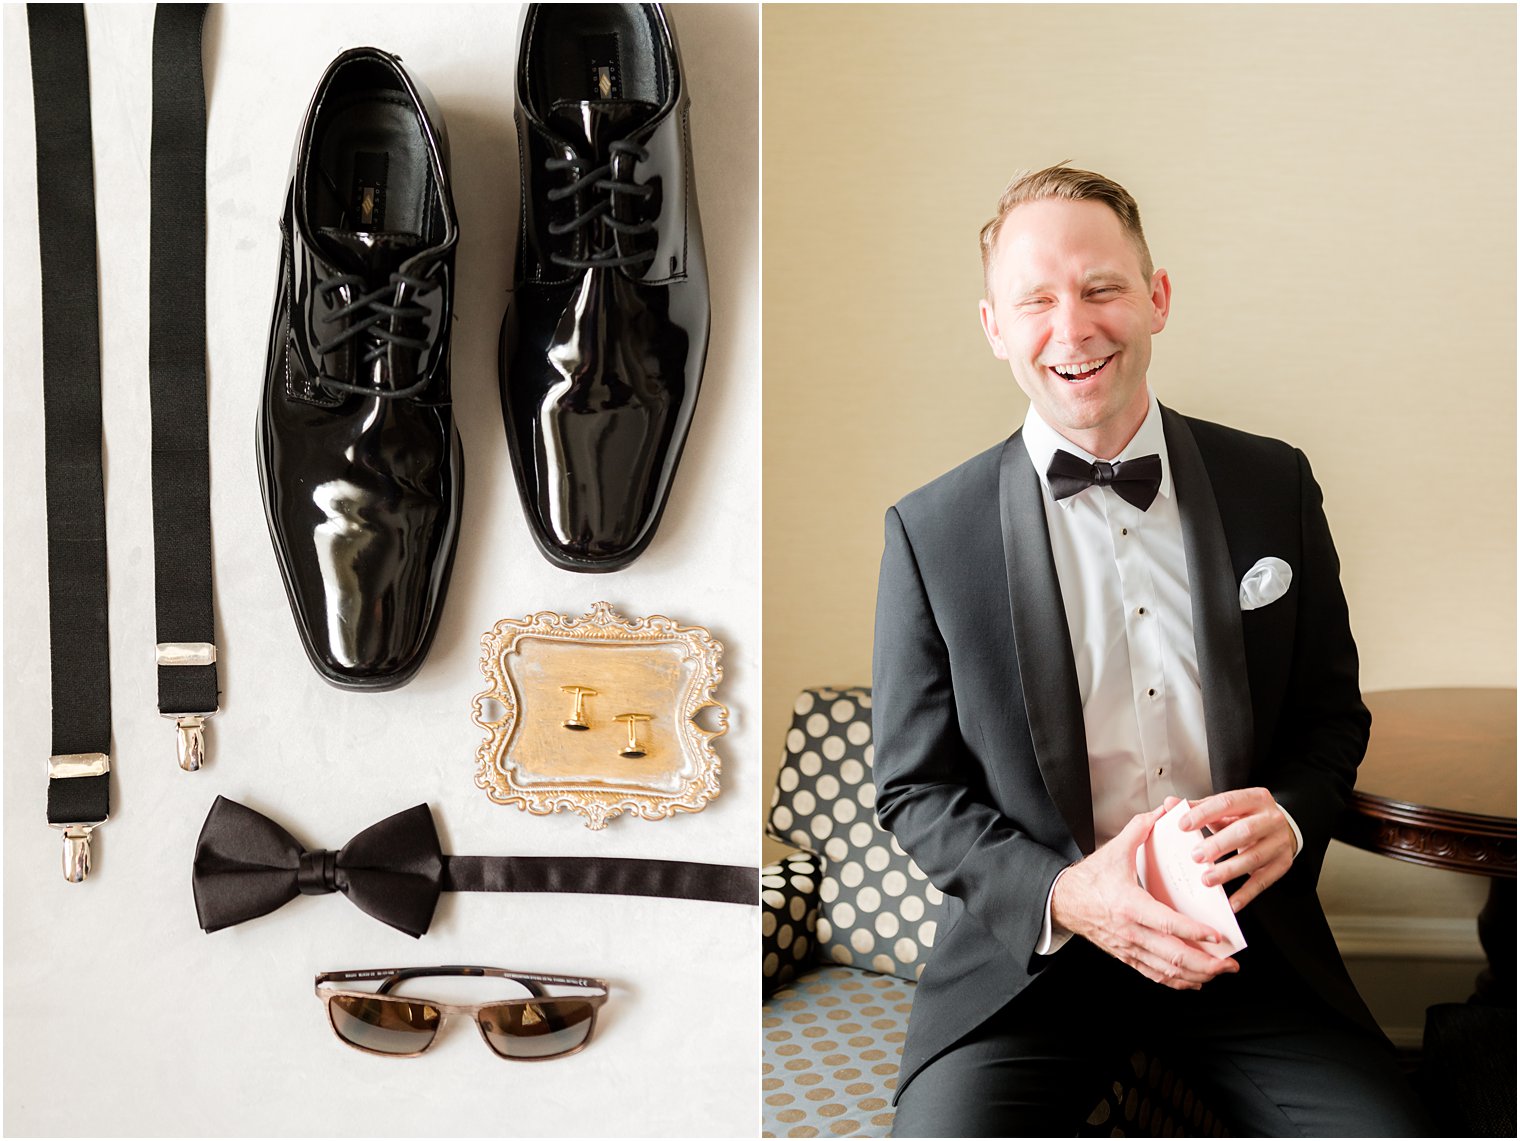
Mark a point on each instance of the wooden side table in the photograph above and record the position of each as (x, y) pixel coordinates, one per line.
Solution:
(1438, 788)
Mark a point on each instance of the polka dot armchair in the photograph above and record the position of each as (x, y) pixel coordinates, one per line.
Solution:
(847, 925)
(876, 909)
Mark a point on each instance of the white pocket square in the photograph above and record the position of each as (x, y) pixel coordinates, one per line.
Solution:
(1265, 583)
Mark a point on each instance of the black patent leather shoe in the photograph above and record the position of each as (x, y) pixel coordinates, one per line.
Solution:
(359, 461)
(603, 344)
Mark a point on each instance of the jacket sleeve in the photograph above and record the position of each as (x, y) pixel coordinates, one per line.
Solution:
(931, 792)
(1322, 733)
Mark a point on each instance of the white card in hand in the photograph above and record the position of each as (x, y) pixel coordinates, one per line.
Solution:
(1169, 872)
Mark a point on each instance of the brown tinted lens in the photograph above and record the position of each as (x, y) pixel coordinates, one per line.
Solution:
(384, 1025)
(538, 1029)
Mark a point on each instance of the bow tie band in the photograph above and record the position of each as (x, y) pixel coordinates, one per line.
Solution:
(246, 865)
(1136, 481)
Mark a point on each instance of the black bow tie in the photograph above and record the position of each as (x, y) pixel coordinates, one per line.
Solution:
(246, 865)
(1136, 481)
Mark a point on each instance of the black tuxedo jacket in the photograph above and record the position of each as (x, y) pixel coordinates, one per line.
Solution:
(981, 759)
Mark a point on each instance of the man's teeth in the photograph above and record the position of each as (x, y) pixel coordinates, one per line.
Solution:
(1074, 371)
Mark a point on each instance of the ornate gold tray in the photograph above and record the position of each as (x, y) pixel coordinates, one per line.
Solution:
(552, 749)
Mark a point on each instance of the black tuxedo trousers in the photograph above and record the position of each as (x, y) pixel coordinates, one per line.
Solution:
(981, 762)
(1261, 1052)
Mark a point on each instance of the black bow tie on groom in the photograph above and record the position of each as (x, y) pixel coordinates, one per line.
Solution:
(246, 865)
(1136, 481)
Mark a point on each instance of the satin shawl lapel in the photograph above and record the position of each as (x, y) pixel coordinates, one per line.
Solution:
(1217, 631)
(1052, 701)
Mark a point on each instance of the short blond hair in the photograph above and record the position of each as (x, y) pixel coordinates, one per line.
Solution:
(1065, 182)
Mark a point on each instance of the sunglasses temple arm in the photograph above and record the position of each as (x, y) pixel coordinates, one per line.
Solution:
(533, 988)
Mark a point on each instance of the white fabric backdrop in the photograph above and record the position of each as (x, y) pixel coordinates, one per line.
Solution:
(121, 1016)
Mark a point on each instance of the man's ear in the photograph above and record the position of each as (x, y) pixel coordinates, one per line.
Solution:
(1161, 300)
(990, 328)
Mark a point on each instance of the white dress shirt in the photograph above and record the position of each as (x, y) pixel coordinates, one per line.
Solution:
(1124, 583)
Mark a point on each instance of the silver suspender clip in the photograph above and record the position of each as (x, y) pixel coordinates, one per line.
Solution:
(192, 726)
(76, 837)
(76, 851)
(191, 747)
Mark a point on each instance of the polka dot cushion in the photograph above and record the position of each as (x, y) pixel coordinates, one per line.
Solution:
(832, 1045)
(1148, 1099)
(877, 909)
(789, 918)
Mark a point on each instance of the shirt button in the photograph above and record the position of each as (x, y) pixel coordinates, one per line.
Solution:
(1160, 771)
(1140, 611)
(1124, 530)
(1150, 693)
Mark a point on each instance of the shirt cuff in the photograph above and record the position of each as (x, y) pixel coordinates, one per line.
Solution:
(1298, 842)
(1053, 938)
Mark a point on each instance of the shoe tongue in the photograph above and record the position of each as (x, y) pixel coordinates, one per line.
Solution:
(600, 121)
(368, 251)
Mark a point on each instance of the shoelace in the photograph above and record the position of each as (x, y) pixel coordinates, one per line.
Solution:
(382, 336)
(601, 179)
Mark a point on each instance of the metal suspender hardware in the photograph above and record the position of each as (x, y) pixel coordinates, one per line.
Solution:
(78, 798)
(186, 651)
(76, 837)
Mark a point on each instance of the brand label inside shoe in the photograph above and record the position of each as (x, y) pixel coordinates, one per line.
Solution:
(367, 200)
(604, 69)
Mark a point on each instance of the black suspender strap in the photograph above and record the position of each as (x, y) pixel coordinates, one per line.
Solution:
(187, 681)
(78, 770)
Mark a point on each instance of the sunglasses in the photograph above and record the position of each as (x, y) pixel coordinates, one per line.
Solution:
(532, 1029)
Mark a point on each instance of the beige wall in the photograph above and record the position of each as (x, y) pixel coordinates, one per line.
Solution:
(1333, 192)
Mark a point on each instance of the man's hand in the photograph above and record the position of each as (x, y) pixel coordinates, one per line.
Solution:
(1249, 823)
(1101, 899)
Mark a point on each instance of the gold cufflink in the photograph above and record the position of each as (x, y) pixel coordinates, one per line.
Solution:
(633, 748)
(578, 714)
